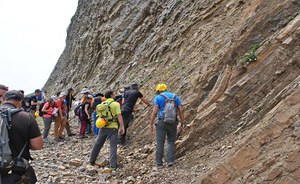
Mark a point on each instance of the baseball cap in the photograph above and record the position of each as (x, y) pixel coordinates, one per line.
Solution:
(37, 91)
(13, 94)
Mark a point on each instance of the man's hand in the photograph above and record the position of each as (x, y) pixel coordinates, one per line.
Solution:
(122, 130)
(152, 129)
(181, 127)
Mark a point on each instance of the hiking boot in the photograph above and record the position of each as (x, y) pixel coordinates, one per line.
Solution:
(160, 166)
(45, 140)
(61, 138)
(170, 164)
(83, 137)
(57, 139)
(92, 163)
(71, 134)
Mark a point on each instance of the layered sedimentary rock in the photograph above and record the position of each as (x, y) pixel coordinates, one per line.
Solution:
(196, 48)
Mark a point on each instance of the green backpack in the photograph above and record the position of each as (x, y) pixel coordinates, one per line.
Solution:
(103, 111)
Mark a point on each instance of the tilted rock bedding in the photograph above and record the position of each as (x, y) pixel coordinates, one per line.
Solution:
(243, 117)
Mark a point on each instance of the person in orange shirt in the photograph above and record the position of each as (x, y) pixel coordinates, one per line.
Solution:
(60, 120)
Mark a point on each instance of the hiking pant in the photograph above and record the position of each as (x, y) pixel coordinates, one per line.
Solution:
(162, 130)
(59, 125)
(84, 124)
(103, 135)
(68, 128)
(47, 126)
(127, 116)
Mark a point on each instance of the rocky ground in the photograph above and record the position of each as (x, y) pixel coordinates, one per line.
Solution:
(67, 162)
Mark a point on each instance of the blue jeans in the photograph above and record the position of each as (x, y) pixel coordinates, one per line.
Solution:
(103, 135)
(163, 130)
(95, 129)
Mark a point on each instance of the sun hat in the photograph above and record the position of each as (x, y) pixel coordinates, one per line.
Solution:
(85, 90)
(62, 94)
(54, 98)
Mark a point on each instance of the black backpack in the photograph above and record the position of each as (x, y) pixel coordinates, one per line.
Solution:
(6, 159)
(41, 113)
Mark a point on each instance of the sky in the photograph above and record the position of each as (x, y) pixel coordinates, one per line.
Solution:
(32, 38)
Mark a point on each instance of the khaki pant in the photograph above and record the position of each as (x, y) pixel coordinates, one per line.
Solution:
(59, 125)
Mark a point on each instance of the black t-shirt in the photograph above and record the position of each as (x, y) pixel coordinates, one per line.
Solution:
(69, 100)
(97, 101)
(130, 98)
(34, 99)
(24, 127)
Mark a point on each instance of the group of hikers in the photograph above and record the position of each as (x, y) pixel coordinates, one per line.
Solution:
(108, 116)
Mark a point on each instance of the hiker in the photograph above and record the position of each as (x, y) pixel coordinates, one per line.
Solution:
(25, 102)
(69, 99)
(110, 131)
(23, 135)
(164, 128)
(84, 115)
(3, 89)
(60, 120)
(34, 102)
(65, 107)
(129, 101)
(49, 111)
(44, 95)
(85, 91)
(97, 100)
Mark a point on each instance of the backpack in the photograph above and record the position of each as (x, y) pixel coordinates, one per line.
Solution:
(170, 109)
(6, 159)
(103, 111)
(76, 110)
(26, 104)
(41, 113)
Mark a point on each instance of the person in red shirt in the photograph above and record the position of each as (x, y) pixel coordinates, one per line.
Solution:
(61, 119)
(49, 110)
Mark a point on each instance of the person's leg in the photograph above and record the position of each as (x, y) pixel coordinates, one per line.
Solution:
(160, 141)
(47, 126)
(171, 137)
(56, 127)
(101, 138)
(62, 126)
(95, 129)
(126, 119)
(113, 138)
(83, 127)
(68, 128)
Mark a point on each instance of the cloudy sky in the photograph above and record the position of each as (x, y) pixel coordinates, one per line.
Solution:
(32, 38)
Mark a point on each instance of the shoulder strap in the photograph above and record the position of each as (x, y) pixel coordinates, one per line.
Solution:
(163, 95)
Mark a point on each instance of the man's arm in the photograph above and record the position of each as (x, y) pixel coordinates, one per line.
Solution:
(153, 116)
(120, 119)
(36, 143)
(181, 115)
(145, 101)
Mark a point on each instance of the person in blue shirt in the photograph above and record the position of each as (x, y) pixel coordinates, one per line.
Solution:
(164, 129)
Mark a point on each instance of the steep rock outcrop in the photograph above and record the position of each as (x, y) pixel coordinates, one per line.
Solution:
(195, 47)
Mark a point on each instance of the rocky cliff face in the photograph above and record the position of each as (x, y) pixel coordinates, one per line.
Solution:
(243, 116)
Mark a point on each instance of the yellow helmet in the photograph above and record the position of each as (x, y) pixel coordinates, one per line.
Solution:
(161, 87)
(100, 123)
(36, 114)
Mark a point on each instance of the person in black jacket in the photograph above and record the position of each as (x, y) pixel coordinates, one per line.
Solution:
(130, 98)
(25, 133)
